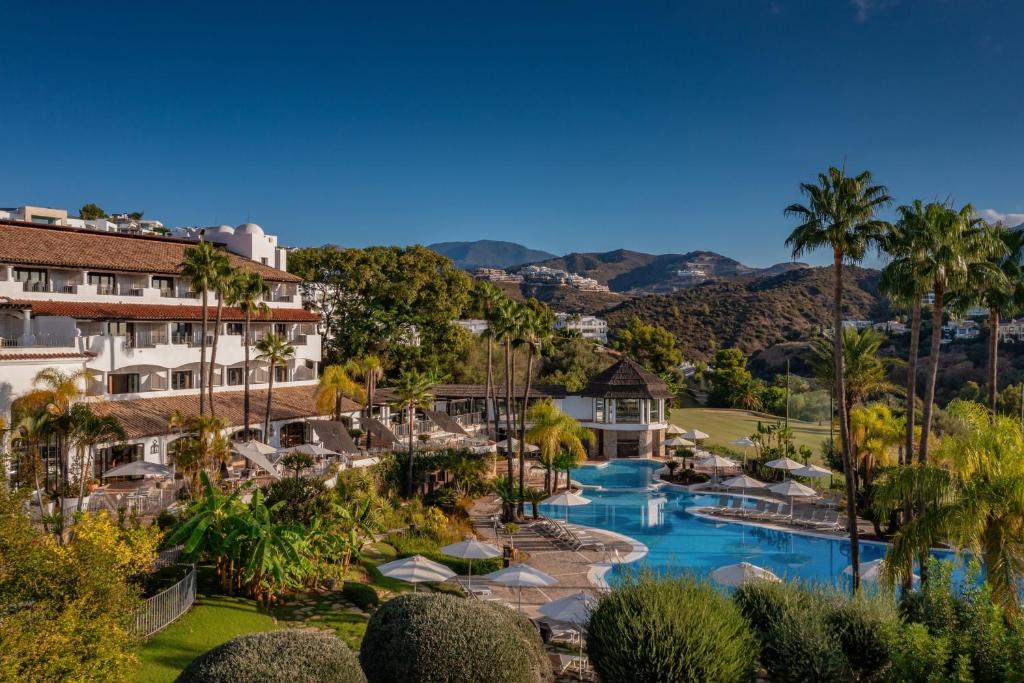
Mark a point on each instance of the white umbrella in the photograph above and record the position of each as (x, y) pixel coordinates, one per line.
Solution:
(871, 571)
(574, 609)
(696, 435)
(786, 464)
(260, 447)
(471, 549)
(568, 499)
(522, 576)
(812, 471)
(793, 489)
(716, 461)
(745, 442)
(530, 448)
(415, 570)
(674, 429)
(316, 450)
(738, 574)
(679, 442)
(743, 481)
(139, 468)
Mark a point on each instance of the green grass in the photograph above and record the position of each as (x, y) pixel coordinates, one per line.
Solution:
(724, 425)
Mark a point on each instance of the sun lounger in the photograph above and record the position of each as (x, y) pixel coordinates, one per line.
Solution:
(585, 538)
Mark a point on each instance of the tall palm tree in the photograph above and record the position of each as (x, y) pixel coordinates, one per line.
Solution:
(32, 431)
(273, 350)
(840, 215)
(506, 329)
(958, 248)
(904, 281)
(537, 328)
(484, 299)
(336, 384)
(89, 430)
(554, 432)
(413, 390)
(61, 390)
(225, 283)
(249, 295)
(200, 266)
(975, 499)
(370, 369)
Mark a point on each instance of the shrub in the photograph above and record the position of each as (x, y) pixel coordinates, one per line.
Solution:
(790, 622)
(304, 499)
(277, 656)
(669, 629)
(361, 595)
(692, 477)
(918, 656)
(864, 628)
(424, 638)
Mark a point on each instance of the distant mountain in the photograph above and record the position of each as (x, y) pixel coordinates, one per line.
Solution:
(635, 272)
(489, 254)
(753, 314)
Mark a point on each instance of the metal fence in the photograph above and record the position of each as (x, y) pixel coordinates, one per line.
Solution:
(169, 556)
(166, 606)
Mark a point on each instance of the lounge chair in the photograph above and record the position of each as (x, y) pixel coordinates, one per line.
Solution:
(735, 507)
(721, 505)
(757, 511)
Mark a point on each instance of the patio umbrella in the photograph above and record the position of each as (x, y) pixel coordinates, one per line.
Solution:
(743, 482)
(674, 429)
(717, 462)
(530, 448)
(679, 442)
(471, 549)
(568, 499)
(139, 468)
(871, 571)
(416, 570)
(745, 442)
(316, 450)
(574, 609)
(793, 489)
(260, 447)
(522, 576)
(696, 435)
(252, 453)
(784, 464)
(812, 471)
(734, 575)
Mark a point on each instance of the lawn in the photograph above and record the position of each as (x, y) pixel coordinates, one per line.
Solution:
(724, 425)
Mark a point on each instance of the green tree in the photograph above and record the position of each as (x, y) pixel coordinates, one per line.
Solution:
(840, 215)
(336, 384)
(87, 430)
(554, 432)
(225, 283)
(274, 350)
(507, 326)
(975, 498)
(412, 391)
(91, 212)
(730, 378)
(249, 294)
(201, 268)
(537, 329)
(484, 299)
(651, 346)
(370, 369)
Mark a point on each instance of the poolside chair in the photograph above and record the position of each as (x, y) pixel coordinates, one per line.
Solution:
(721, 506)
(735, 507)
(830, 522)
(585, 538)
(809, 518)
(757, 511)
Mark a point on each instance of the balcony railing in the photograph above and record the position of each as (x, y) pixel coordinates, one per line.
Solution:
(37, 286)
(145, 340)
(119, 290)
(282, 297)
(45, 341)
(467, 419)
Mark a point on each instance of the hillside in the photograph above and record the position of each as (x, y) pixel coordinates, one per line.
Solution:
(639, 273)
(753, 314)
(488, 254)
(565, 299)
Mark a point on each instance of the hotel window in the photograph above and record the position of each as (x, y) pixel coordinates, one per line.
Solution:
(123, 383)
(237, 329)
(280, 374)
(163, 283)
(236, 376)
(119, 329)
(104, 282)
(181, 379)
(600, 410)
(627, 410)
(281, 329)
(655, 411)
(34, 275)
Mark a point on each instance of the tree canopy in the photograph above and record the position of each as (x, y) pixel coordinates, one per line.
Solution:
(652, 346)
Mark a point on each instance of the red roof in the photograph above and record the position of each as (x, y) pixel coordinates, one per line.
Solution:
(83, 310)
(60, 247)
(45, 355)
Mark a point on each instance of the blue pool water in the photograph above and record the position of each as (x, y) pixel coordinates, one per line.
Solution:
(624, 499)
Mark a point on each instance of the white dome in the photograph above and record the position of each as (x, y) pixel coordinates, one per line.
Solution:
(221, 230)
(249, 229)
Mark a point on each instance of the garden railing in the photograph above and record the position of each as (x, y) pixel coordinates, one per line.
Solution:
(163, 608)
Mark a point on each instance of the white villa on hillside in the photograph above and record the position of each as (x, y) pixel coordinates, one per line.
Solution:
(587, 326)
(116, 305)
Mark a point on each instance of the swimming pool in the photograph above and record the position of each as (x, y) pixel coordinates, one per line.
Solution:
(626, 498)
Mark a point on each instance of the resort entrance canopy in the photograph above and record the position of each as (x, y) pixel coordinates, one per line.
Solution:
(334, 435)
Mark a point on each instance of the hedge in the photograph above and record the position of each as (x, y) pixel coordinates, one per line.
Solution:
(361, 595)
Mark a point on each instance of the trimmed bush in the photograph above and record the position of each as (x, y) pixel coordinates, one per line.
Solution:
(277, 657)
(669, 629)
(864, 628)
(796, 643)
(362, 595)
(435, 638)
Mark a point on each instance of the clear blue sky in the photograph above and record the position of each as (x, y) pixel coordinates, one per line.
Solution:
(562, 124)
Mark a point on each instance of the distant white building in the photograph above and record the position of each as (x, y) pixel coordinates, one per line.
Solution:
(496, 275)
(474, 325)
(893, 327)
(587, 326)
(1011, 331)
(856, 324)
(961, 330)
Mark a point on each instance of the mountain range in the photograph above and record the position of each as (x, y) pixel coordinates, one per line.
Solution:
(489, 254)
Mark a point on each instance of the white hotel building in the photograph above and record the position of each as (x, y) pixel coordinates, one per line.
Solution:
(116, 305)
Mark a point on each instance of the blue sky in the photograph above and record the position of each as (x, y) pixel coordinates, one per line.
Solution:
(565, 125)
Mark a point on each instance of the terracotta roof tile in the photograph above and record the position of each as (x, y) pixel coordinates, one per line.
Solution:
(44, 355)
(85, 310)
(46, 245)
(627, 379)
(144, 417)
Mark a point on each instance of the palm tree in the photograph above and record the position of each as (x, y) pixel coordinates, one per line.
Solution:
(31, 431)
(370, 369)
(225, 283)
(840, 215)
(875, 433)
(412, 391)
(903, 280)
(274, 350)
(506, 329)
(536, 328)
(89, 430)
(249, 294)
(554, 432)
(335, 384)
(201, 267)
(957, 253)
(204, 448)
(60, 390)
(484, 299)
(975, 499)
